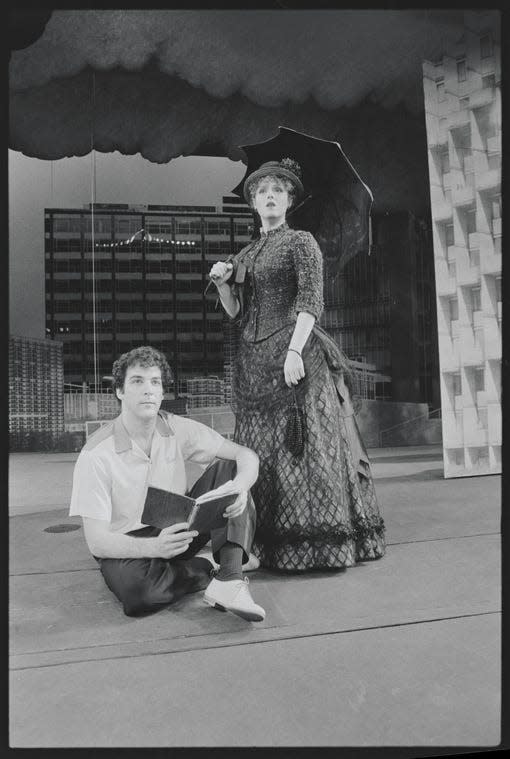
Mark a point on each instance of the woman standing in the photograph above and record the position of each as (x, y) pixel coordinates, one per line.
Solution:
(315, 499)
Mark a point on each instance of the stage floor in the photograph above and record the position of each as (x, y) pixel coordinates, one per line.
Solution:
(404, 651)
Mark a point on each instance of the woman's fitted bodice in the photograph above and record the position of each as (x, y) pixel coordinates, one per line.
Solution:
(283, 276)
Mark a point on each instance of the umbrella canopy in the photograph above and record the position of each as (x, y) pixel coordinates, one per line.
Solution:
(337, 203)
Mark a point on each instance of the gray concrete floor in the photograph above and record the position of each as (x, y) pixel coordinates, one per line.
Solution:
(404, 651)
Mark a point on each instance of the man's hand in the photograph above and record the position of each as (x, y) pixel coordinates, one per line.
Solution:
(237, 508)
(174, 540)
(239, 504)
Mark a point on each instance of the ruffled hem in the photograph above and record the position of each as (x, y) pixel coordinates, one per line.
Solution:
(329, 548)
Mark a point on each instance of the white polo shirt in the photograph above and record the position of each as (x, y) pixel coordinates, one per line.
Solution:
(112, 473)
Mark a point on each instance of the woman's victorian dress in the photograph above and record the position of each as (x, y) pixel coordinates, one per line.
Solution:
(317, 509)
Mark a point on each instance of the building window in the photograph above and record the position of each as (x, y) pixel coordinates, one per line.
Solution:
(480, 457)
(479, 379)
(496, 206)
(67, 224)
(486, 46)
(469, 179)
(452, 268)
(498, 289)
(476, 299)
(471, 221)
(494, 160)
(474, 257)
(445, 161)
(457, 384)
(242, 228)
(128, 226)
(465, 153)
(461, 70)
(478, 338)
(189, 227)
(440, 90)
(454, 309)
(488, 81)
(458, 456)
(217, 227)
(449, 235)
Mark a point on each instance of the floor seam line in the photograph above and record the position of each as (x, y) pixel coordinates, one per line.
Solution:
(257, 642)
(451, 537)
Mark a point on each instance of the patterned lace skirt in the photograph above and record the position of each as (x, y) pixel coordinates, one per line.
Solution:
(317, 510)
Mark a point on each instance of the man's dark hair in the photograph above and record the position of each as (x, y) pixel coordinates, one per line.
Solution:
(144, 356)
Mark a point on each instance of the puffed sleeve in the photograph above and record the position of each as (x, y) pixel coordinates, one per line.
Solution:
(308, 265)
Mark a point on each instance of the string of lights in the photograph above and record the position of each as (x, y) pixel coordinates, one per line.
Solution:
(144, 237)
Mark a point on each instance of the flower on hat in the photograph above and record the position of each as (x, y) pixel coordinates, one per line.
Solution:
(291, 165)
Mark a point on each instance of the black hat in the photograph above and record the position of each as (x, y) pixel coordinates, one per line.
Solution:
(287, 168)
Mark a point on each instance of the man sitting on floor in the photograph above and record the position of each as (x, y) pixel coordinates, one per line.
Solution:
(147, 568)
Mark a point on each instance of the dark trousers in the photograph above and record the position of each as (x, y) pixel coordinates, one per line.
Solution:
(145, 585)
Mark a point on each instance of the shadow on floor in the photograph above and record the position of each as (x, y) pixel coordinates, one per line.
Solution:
(427, 474)
(407, 459)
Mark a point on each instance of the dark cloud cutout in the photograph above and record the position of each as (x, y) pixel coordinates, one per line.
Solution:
(171, 83)
(162, 117)
(26, 26)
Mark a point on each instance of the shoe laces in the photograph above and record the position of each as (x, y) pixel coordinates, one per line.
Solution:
(242, 587)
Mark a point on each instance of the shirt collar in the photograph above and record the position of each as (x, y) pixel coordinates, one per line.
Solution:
(121, 437)
(274, 232)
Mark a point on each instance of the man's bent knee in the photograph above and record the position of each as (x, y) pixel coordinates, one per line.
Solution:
(137, 598)
(127, 580)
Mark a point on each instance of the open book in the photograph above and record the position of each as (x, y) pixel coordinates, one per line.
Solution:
(163, 508)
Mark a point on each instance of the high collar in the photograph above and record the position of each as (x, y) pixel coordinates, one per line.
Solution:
(121, 437)
(274, 232)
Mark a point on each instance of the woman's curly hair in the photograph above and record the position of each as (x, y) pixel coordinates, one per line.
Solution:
(144, 356)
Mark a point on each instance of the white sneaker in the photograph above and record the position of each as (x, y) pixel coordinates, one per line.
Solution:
(234, 596)
(251, 565)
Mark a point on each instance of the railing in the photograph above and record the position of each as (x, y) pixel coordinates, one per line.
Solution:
(79, 406)
(428, 415)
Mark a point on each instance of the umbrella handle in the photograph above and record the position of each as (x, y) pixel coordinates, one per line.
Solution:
(230, 266)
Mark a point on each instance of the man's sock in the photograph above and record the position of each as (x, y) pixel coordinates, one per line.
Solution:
(231, 563)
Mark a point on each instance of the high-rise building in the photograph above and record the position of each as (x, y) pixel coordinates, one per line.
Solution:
(139, 274)
(379, 309)
(36, 391)
(120, 276)
(463, 119)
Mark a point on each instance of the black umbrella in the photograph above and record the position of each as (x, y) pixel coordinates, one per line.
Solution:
(337, 203)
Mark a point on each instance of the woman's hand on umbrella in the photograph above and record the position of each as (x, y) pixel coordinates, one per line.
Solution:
(220, 272)
(293, 369)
